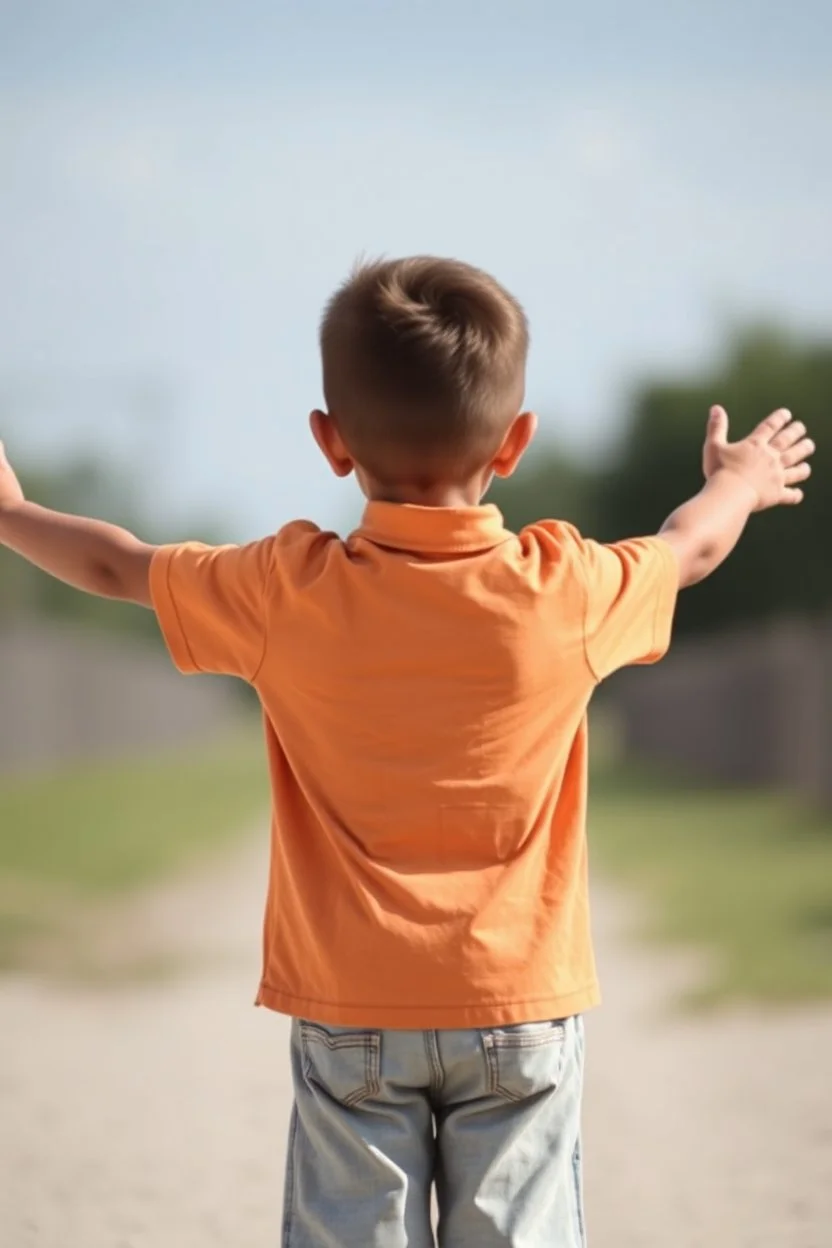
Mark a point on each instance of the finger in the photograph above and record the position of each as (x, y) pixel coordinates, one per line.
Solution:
(799, 473)
(797, 453)
(718, 426)
(771, 426)
(791, 497)
(787, 437)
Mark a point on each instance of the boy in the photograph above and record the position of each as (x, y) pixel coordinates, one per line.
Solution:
(425, 687)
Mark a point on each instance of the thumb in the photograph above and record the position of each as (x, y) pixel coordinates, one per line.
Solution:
(718, 426)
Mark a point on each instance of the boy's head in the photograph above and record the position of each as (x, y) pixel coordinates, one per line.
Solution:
(423, 372)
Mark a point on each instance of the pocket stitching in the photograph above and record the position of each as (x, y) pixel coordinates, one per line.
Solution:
(507, 1040)
(370, 1042)
(494, 1041)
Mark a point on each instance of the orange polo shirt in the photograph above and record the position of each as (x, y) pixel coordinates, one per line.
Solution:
(425, 687)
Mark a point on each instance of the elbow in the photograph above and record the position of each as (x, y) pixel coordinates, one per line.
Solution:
(697, 556)
(701, 562)
(123, 575)
(107, 581)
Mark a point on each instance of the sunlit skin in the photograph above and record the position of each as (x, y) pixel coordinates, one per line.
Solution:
(766, 469)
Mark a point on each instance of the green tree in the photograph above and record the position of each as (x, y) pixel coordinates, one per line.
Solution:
(782, 564)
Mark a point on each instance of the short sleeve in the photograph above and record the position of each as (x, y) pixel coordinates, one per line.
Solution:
(210, 603)
(631, 590)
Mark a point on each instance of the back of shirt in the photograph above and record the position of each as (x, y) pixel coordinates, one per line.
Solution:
(425, 687)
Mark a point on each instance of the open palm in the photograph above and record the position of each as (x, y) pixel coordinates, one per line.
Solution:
(772, 459)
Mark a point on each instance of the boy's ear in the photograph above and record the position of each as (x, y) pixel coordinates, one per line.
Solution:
(325, 432)
(515, 444)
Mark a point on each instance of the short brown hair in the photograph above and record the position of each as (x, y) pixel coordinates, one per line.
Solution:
(423, 363)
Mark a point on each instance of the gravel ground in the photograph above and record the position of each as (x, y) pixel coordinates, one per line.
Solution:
(151, 1112)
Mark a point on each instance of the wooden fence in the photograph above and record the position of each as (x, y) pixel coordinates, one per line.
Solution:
(752, 708)
(67, 694)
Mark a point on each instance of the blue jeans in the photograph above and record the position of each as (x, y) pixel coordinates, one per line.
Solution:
(489, 1118)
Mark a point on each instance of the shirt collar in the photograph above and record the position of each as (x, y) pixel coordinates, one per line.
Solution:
(433, 530)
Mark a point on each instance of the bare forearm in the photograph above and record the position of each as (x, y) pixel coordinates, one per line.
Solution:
(705, 530)
(91, 555)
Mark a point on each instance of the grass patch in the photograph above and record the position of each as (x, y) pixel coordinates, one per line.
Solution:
(745, 876)
(94, 830)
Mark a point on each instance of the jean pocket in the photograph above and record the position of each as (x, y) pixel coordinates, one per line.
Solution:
(525, 1059)
(345, 1064)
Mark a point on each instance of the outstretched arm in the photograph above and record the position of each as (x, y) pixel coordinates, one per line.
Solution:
(763, 470)
(91, 555)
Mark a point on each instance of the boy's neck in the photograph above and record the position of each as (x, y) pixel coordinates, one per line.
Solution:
(468, 494)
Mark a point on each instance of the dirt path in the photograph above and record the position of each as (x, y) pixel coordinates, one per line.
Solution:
(153, 1115)
(702, 1132)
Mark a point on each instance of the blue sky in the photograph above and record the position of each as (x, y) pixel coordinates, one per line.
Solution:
(182, 184)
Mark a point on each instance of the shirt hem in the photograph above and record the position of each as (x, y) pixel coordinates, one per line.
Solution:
(422, 1017)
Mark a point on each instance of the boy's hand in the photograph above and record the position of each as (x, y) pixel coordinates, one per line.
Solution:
(763, 470)
(771, 460)
(11, 492)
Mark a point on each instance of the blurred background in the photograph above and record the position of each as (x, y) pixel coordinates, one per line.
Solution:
(184, 184)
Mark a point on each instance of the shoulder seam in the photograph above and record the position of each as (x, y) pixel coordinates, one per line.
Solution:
(258, 669)
(197, 667)
(584, 639)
